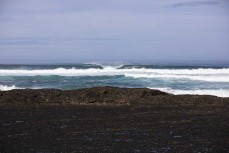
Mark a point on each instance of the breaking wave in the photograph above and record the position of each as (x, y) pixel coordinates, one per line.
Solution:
(6, 88)
(208, 78)
(218, 93)
(209, 74)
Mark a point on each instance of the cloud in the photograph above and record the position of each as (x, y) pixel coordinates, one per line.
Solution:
(195, 3)
(129, 29)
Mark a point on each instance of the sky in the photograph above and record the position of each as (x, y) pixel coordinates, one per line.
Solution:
(46, 31)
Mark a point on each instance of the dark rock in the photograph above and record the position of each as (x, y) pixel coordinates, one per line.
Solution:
(89, 95)
(105, 95)
(108, 119)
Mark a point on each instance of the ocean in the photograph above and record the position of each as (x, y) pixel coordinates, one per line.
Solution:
(175, 79)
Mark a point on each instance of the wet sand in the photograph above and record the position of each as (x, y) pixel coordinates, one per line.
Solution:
(112, 120)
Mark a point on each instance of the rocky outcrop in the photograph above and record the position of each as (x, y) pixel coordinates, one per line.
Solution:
(108, 119)
(98, 95)
(87, 95)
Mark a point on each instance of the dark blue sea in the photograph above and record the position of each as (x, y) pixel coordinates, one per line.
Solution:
(176, 79)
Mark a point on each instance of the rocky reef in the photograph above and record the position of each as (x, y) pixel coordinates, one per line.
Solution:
(101, 95)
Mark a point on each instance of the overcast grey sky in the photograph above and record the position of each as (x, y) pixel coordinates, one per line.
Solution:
(118, 30)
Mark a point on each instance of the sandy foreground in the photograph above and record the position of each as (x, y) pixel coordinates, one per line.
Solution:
(109, 119)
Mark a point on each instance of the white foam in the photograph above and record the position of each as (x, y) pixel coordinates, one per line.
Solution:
(6, 88)
(219, 92)
(113, 65)
(209, 78)
(210, 75)
(189, 71)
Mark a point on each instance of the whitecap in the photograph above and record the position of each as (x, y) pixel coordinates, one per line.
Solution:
(6, 88)
(216, 92)
(208, 78)
(210, 75)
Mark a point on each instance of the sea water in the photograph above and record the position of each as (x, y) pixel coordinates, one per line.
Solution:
(175, 79)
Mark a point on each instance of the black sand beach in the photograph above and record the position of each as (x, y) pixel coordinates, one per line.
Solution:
(108, 119)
